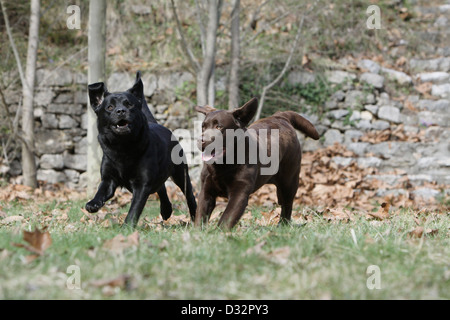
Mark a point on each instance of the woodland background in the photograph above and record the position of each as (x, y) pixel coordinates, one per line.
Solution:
(374, 190)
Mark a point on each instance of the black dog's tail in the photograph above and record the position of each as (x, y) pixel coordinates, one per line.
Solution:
(299, 123)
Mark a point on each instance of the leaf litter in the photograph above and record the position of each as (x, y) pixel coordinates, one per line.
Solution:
(120, 243)
(37, 242)
(334, 192)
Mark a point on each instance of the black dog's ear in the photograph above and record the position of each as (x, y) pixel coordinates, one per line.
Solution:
(97, 93)
(138, 76)
(205, 109)
(137, 89)
(247, 111)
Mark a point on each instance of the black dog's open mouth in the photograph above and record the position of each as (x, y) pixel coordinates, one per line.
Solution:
(123, 126)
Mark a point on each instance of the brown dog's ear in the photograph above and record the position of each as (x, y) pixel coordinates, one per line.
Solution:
(205, 109)
(247, 111)
(97, 93)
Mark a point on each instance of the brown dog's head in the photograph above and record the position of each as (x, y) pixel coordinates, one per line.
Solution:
(218, 121)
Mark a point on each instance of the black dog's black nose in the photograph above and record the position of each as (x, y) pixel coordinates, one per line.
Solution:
(120, 111)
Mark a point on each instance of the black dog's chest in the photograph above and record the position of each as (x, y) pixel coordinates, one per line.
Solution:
(125, 174)
(133, 173)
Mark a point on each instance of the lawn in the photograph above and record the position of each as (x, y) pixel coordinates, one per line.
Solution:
(321, 255)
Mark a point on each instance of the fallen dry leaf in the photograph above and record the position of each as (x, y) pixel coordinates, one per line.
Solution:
(272, 217)
(119, 243)
(416, 233)
(10, 219)
(424, 88)
(109, 286)
(409, 105)
(4, 254)
(38, 241)
(181, 219)
(163, 245)
(336, 214)
(279, 255)
(401, 61)
(419, 232)
(256, 249)
(382, 213)
(119, 281)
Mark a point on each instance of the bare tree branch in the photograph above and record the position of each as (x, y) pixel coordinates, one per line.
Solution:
(206, 72)
(13, 124)
(233, 85)
(277, 19)
(255, 15)
(13, 44)
(184, 45)
(286, 65)
(27, 134)
(202, 27)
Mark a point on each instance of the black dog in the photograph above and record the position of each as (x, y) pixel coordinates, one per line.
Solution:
(137, 152)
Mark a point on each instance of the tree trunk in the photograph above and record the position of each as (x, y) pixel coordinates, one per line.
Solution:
(205, 75)
(96, 73)
(28, 161)
(233, 84)
(205, 71)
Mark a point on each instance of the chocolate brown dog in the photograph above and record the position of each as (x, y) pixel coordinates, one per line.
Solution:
(234, 172)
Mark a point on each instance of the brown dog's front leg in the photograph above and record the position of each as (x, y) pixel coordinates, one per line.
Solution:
(206, 204)
(234, 210)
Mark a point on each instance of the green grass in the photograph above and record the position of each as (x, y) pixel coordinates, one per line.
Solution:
(312, 259)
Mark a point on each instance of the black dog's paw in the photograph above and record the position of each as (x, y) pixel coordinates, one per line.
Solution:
(93, 206)
(166, 211)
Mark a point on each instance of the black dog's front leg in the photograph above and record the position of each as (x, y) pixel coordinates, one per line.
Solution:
(140, 196)
(105, 192)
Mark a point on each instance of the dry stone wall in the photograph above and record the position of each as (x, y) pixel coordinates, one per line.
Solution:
(350, 114)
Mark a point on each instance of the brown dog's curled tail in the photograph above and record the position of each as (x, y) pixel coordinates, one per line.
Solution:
(299, 123)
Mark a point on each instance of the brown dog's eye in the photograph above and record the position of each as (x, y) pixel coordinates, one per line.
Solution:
(110, 108)
(219, 127)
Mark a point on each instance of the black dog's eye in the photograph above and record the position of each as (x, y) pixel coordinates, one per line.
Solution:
(126, 103)
(110, 108)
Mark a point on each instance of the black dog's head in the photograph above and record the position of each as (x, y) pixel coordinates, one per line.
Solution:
(118, 113)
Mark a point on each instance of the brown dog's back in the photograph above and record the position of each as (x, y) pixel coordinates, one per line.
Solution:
(287, 144)
(285, 122)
